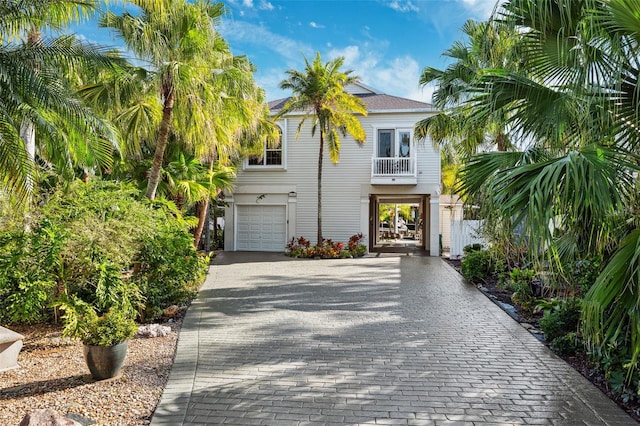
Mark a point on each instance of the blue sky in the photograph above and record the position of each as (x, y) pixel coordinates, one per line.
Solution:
(385, 42)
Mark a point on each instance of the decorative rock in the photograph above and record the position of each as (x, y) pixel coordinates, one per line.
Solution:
(47, 417)
(171, 311)
(153, 330)
(526, 326)
(79, 418)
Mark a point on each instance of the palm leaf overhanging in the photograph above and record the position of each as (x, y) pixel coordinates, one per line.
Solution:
(34, 92)
(571, 103)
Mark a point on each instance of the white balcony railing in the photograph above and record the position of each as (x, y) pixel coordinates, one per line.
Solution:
(393, 166)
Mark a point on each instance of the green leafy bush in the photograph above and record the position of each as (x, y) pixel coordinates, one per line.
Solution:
(562, 320)
(86, 233)
(569, 344)
(521, 282)
(583, 273)
(472, 247)
(615, 361)
(106, 316)
(477, 265)
(170, 270)
(29, 266)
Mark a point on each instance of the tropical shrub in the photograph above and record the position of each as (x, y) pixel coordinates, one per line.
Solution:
(562, 320)
(569, 344)
(583, 273)
(472, 247)
(108, 317)
(355, 245)
(169, 269)
(476, 266)
(302, 248)
(87, 234)
(522, 282)
(28, 265)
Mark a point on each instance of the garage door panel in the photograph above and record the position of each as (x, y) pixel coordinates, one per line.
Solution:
(261, 228)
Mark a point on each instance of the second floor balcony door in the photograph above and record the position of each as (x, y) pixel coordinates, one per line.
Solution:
(396, 145)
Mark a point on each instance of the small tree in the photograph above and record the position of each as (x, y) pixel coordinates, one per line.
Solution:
(319, 92)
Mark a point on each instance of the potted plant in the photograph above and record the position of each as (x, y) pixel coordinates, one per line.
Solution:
(103, 324)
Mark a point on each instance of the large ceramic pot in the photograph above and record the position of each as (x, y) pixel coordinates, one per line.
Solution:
(105, 362)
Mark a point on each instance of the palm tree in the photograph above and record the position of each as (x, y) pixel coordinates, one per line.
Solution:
(319, 92)
(177, 38)
(34, 96)
(489, 45)
(577, 109)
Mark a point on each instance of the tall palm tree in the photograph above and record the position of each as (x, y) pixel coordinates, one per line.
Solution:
(177, 38)
(319, 93)
(489, 45)
(577, 107)
(209, 103)
(32, 92)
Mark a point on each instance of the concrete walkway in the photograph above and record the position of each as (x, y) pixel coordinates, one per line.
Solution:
(388, 340)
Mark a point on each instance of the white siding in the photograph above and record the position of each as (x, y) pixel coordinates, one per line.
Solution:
(345, 185)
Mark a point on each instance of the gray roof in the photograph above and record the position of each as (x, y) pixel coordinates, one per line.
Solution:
(375, 102)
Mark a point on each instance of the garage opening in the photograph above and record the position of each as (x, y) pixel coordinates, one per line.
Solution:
(261, 228)
(398, 224)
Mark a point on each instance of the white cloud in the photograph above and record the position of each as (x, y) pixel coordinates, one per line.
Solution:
(250, 4)
(313, 24)
(270, 80)
(402, 6)
(396, 76)
(481, 8)
(265, 5)
(260, 36)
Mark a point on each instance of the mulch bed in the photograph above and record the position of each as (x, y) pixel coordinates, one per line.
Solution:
(579, 362)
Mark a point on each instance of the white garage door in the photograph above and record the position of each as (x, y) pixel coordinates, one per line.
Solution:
(261, 228)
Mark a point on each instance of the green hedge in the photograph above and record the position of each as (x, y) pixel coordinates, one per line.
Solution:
(79, 229)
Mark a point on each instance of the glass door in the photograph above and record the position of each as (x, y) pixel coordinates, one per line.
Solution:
(386, 143)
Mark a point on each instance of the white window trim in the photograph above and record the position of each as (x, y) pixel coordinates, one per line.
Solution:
(283, 126)
(397, 129)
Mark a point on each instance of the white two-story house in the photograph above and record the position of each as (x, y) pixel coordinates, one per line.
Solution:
(275, 196)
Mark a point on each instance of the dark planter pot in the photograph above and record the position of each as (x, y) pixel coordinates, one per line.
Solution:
(105, 362)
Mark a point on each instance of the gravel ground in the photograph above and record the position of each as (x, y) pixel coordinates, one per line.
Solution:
(53, 374)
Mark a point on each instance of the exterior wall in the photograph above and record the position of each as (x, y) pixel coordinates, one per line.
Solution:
(346, 186)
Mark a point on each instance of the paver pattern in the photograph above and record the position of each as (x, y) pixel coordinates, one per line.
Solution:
(386, 340)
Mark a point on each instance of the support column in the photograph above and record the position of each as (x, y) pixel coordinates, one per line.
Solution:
(434, 224)
(292, 212)
(365, 226)
(229, 224)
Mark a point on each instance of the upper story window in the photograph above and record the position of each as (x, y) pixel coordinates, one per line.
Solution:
(272, 155)
(393, 143)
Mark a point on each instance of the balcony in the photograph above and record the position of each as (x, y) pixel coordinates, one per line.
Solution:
(394, 171)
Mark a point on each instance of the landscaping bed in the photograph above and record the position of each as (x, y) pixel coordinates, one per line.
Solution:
(579, 361)
(53, 374)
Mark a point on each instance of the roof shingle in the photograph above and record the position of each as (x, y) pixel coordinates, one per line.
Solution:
(373, 102)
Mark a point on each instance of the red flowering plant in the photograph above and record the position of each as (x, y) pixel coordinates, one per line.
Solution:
(355, 245)
(301, 247)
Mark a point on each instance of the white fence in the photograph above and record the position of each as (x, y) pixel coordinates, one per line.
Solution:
(463, 233)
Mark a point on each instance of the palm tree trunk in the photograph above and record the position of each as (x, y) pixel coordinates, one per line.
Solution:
(161, 144)
(500, 141)
(204, 210)
(320, 187)
(28, 134)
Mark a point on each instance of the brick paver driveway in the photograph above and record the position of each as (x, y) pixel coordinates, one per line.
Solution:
(389, 340)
